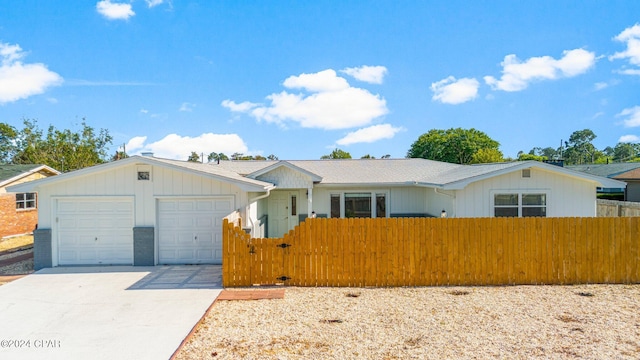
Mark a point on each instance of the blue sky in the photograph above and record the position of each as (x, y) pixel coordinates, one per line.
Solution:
(299, 78)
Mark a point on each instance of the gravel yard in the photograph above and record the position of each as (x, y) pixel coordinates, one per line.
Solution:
(515, 322)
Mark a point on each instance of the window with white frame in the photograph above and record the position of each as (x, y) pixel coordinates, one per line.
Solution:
(26, 201)
(358, 204)
(520, 204)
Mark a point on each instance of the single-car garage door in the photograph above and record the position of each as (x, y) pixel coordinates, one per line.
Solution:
(190, 230)
(95, 232)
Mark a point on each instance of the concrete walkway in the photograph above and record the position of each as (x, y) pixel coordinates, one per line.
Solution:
(116, 312)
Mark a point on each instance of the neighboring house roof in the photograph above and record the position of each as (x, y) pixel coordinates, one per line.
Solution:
(629, 175)
(10, 173)
(606, 170)
(201, 169)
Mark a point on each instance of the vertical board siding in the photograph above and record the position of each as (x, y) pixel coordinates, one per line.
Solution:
(435, 252)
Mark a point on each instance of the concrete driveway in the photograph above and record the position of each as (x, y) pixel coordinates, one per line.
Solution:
(115, 312)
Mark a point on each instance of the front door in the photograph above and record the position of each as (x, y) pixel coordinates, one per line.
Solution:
(279, 213)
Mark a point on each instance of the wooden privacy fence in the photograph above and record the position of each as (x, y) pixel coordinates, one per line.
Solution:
(434, 251)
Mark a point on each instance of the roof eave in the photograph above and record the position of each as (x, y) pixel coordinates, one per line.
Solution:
(314, 177)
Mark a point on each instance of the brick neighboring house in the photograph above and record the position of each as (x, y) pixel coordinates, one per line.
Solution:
(19, 211)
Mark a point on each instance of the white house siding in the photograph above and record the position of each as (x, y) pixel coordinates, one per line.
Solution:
(569, 197)
(123, 181)
(285, 178)
(440, 200)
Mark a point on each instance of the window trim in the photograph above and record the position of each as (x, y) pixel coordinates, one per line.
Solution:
(374, 195)
(520, 192)
(25, 201)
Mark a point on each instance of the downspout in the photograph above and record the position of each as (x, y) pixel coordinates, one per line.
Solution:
(254, 200)
(449, 195)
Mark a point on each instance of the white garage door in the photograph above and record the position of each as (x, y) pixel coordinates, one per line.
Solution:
(190, 230)
(95, 232)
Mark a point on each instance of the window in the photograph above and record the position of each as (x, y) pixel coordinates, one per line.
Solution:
(294, 205)
(506, 205)
(381, 205)
(335, 205)
(357, 205)
(25, 201)
(534, 205)
(520, 205)
(143, 175)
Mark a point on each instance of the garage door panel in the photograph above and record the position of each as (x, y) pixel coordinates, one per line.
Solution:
(224, 206)
(190, 230)
(206, 222)
(204, 205)
(95, 232)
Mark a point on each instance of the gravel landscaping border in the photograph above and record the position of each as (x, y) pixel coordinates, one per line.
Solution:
(515, 322)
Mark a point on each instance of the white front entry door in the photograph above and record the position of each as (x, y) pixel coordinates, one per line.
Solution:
(94, 231)
(190, 230)
(279, 213)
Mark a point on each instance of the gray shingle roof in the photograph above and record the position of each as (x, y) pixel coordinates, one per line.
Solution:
(9, 171)
(606, 170)
(379, 171)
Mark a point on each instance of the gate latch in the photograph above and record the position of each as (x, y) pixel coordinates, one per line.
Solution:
(283, 245)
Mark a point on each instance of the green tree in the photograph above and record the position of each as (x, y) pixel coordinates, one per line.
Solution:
(452, 145)
(64, 150)
(367, 157)
(580, 148)
(217, 157)
(625, 152)
(485, 156)
(8, 136)
(530, 156)
(337, 154)
(194, 157)
(119, 155)
(272, 157)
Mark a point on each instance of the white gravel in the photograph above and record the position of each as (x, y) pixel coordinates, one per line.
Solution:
(514, 322)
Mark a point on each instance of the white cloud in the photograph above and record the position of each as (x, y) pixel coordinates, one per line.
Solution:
(452, 91)
(135, 144)
(19, 80)
(144, 111)
(600, 86)
(188, 107)
(152, 3)
(326, 80)
(629, 72)
(330, 103)
(370, 74)
(174, 146)
(235, 107)
(370, 134)
(630, 36)
(114, 11)
(52, 100)
(516, 75)
(632, 116)
(629, 139)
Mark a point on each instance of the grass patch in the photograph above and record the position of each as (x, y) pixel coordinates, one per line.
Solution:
(15, 242)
